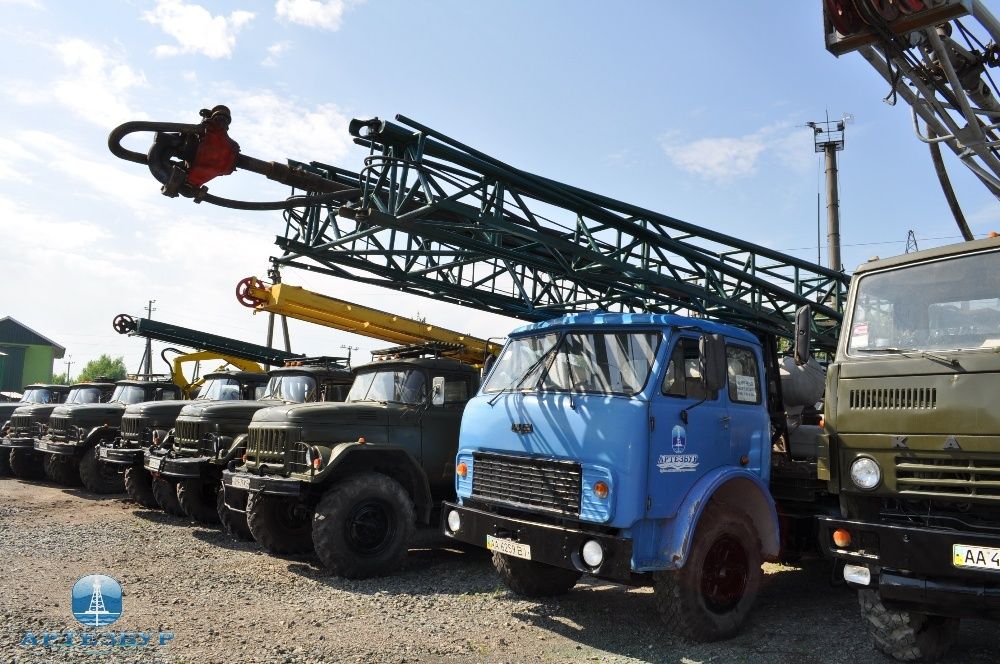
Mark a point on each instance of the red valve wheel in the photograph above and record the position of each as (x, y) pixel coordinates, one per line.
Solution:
(243, 292)
(123, 324)
(843, 16)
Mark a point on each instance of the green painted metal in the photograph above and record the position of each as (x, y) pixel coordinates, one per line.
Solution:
(443, 220)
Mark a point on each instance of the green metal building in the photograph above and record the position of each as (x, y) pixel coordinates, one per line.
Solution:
(27, 356)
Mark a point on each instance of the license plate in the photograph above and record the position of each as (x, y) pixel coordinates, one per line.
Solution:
(241, 483)
(102, 452)
(509, 547)
(979, 557)
(43, 447)
(154, 463)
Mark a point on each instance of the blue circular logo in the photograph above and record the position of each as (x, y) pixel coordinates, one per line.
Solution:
(97, 600)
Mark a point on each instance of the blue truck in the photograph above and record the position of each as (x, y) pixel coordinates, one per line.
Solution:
(646, 449)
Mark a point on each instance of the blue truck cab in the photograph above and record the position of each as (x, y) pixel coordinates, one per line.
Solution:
(631, 447)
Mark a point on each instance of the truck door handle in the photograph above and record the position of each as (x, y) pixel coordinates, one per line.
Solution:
(725, 421)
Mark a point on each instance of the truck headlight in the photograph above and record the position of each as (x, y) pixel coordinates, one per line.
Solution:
(865, 473)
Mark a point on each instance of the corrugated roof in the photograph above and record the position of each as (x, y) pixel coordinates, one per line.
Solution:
(13, 331)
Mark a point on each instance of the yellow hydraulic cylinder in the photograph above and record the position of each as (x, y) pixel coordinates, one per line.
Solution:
(299, 303)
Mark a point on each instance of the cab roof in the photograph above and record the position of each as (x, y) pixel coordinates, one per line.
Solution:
(94, 383)
(930, 254)
(47, 386)
(430, 363)
(242, 376)
(599, 319)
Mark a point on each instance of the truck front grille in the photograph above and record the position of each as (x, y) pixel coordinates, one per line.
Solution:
(132, 428)
(893, 398)
(955, 477)
(187, 435)
(23, 426)
(59, 427)
(268, 445)
(542, 484)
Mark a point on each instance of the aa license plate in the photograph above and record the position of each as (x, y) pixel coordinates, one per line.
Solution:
(980, 557)
(154, 464)
(102, 452)
(241, 483)
(509, 547)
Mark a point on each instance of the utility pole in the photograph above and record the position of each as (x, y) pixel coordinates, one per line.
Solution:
(149, 343)
(349, 349)
(828, 138)
(69, 366)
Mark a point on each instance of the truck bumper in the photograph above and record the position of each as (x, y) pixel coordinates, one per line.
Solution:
(248, 482)
(550, 544)
(120, 456)
(58, 447)
(18, 443)
(178, 467)
(915, 567)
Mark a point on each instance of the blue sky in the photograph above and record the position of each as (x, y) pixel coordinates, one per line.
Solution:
(694, 109)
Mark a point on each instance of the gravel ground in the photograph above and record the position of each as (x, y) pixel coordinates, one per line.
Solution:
(226, 601)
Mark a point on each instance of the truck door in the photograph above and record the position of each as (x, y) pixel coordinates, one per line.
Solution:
(439, 435)
(681, 452)
(749, 423)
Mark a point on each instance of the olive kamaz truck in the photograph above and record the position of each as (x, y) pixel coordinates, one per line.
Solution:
(208, 435)
(33, 411)
(912, 442)
(148, 423)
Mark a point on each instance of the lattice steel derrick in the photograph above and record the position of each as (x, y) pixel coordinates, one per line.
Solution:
(441, 219)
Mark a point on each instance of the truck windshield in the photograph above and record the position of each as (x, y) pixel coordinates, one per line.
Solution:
(399, 386)
(295, 388)
(84, 395)
(128, 394)
(951, 304)
(219, 389)
(605, 363)
(37, 395)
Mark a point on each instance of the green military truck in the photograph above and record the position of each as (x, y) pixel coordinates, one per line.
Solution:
(33, 412)
(28, 427)
(208, 436)
(353, 478)
(912, 445)
(76, 429)
(147, 424)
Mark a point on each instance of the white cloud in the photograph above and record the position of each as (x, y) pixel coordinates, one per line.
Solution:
(326, 15)
(274, 51)
(33, 4)
(98, 84)
(734, 157)
(196, 29)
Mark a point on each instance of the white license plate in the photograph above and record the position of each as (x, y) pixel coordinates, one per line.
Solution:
(42, 446)
(241, 483)
(509, 547)
(102, 452)
(154, 463)
(979, 557)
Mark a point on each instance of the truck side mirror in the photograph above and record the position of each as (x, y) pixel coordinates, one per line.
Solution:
(437, 391)
(712, 361)
(488, 364)
(803, 333)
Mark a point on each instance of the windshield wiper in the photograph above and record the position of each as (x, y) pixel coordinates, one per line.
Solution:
(530, 370)
(886, 349)
(947, 361)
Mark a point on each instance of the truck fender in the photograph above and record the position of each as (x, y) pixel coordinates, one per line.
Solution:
(97, 434)
(734, 486)
(396, 462)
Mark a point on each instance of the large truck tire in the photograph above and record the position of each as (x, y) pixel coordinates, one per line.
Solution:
(5, 470)
(27, 464)
(139, 487)
(165, 493)
(529, 578)
(363, 525)
(99, 477)
(198, 500)
(710, 597)
(280, 525)
(904, 635)
(62, 469)
(233, 522)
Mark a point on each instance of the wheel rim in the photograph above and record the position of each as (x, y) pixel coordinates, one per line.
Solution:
(293, 517)
(724, 575)
(370, 527)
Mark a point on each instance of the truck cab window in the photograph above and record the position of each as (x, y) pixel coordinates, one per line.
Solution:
(683, 376)
(744, 379)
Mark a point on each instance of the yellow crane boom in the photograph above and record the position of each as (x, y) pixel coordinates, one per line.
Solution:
(296, 302)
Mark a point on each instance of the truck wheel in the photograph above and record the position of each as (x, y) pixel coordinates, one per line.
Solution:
(362, 526)
(533, 579)
(100, 477)
(62, 469)
(709, 598)
(280, 525)
(233, 522)
(139, 487)
(5, 470)
(165, 493)
(27, 464)
(904, 635)
(197, 499)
